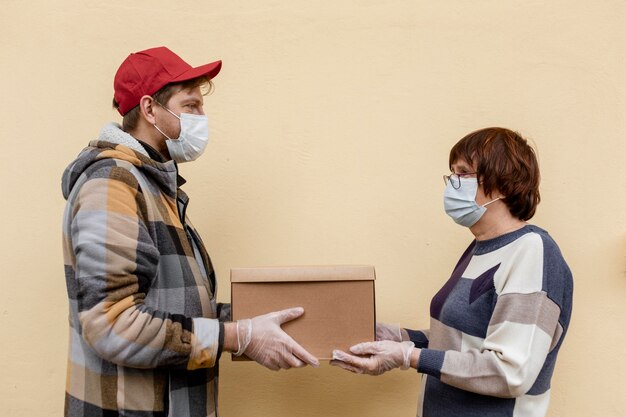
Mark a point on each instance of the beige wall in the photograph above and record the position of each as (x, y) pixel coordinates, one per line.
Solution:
(331, 124)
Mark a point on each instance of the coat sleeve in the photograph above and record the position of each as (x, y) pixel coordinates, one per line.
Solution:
(115, 263)
(224, 311)
(523, 329)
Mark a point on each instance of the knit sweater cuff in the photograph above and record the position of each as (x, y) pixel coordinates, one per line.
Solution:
(431, 362)
(418, 337)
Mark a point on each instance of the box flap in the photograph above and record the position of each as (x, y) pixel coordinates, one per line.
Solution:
(304, 273)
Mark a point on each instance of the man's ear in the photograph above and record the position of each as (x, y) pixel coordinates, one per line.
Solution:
(146, 108)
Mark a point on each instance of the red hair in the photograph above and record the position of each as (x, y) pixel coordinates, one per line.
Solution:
(505, 164)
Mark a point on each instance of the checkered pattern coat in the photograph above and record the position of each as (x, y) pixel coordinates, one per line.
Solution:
(144, 333)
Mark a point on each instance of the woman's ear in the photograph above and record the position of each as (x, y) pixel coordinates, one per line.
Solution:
(146, 108)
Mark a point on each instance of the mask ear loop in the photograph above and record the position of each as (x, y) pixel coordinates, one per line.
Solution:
(172, 113)
(492, 201)
(160, 131)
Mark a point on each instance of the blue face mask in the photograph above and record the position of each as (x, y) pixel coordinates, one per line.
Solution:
(461, 205)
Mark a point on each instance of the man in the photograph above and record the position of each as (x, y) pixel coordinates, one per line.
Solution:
(146, 332)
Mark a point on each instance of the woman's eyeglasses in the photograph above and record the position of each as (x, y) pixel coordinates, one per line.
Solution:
(455, 179)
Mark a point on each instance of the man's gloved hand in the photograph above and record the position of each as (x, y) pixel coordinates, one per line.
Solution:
(262, 340)
(383, 356)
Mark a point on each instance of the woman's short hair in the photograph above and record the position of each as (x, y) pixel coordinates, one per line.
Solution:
(505, 163)
(130, 120)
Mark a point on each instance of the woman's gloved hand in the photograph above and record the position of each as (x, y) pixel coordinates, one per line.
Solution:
(386, 331)
(382, 356)
(393, 332)
(264, 341)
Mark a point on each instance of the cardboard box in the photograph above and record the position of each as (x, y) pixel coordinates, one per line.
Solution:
(338, 302)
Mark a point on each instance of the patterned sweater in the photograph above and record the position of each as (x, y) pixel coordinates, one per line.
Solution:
(496, 329)
(144, 328)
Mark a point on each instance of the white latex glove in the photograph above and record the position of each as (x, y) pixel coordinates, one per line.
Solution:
(386, 331)
(262, 340)
(383, 356)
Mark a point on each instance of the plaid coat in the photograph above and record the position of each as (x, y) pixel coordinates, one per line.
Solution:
(144, 328)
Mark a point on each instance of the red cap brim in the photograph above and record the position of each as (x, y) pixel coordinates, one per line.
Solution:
(208, 70)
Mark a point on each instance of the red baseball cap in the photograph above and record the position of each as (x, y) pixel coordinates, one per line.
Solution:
(146, 72)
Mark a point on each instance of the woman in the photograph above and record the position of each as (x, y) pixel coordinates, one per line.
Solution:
(497, 324)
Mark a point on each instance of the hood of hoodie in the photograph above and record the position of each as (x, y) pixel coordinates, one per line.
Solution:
(114, 143)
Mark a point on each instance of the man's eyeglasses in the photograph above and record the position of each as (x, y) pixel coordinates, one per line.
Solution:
(455, 179)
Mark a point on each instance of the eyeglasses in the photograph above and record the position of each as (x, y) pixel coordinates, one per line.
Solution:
(455, 179)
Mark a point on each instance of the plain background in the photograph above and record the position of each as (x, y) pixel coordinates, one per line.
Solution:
(331, 124)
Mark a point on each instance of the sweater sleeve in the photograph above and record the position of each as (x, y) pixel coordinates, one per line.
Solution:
(522, 330)
(418, 337)
(115, 262)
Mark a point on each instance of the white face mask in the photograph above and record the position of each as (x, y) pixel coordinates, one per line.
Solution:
(460, 204)
(193, 138)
